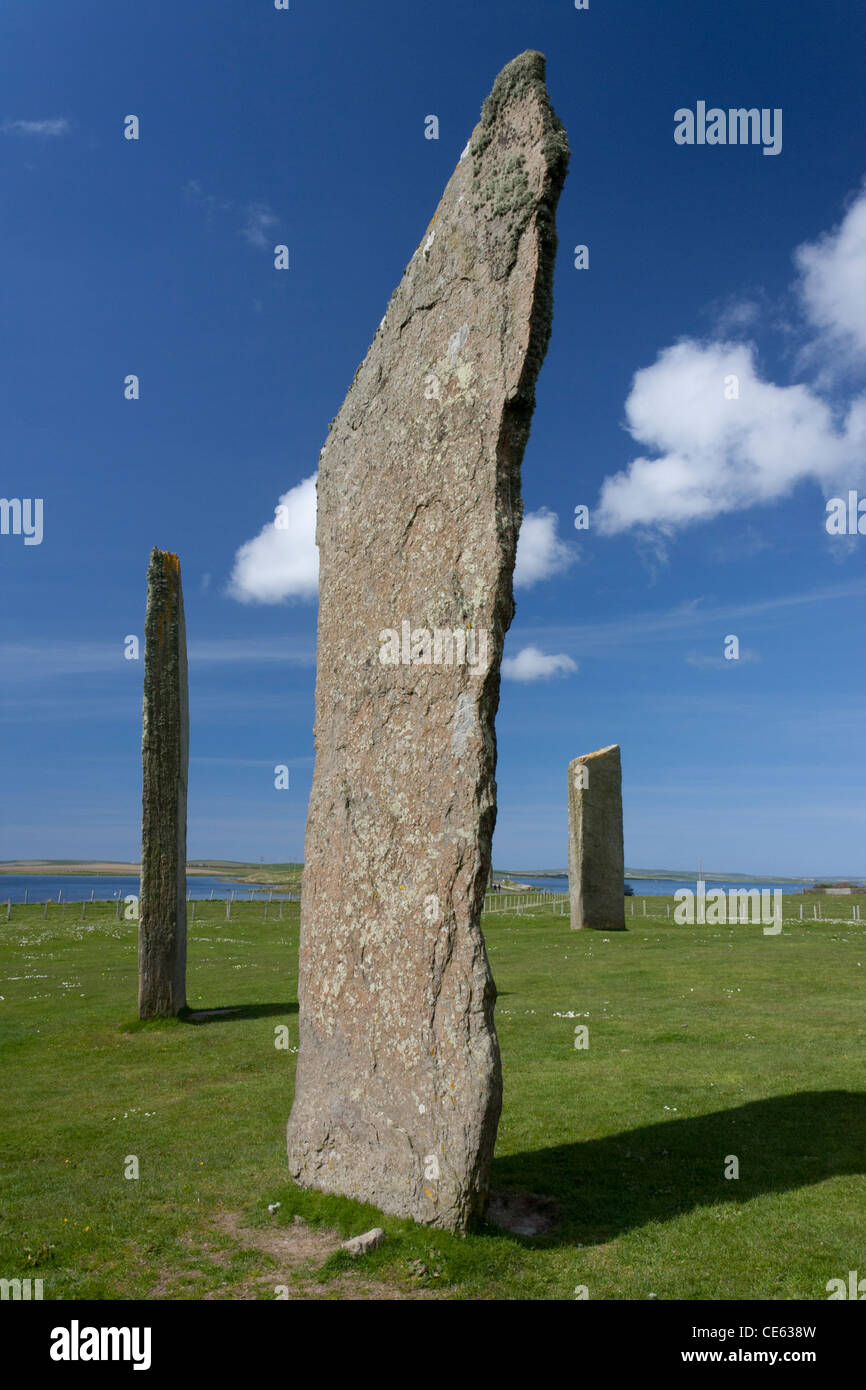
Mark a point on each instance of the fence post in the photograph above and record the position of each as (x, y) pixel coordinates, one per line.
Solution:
(26, 898)
(8, 909)
(83, 908)
(45, 910)
(228, 909)
(192, 914)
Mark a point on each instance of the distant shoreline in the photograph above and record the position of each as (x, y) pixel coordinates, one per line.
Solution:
(103, 867)
(653, 875)
(240, 871)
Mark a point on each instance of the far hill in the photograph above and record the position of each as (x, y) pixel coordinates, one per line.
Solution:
(685, 875)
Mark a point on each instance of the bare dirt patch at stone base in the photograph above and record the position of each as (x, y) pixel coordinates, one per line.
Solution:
(299, 1250)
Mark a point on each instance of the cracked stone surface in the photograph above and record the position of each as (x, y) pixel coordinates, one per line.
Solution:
(596, 864)
(165, 758)
(398, 1086)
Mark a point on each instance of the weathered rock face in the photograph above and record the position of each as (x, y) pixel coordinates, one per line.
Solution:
(398, 1086)
(596, 867)
(165, 757)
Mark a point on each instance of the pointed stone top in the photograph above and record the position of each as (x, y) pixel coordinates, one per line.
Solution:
(503, 115)
(524, 73)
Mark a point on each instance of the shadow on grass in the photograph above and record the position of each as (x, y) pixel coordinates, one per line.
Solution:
(233, 1013)
(605, 1187)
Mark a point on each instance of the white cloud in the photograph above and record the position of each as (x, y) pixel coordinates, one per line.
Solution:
(58, 126)
(719, 455)
(530, 664)
(715, 454)
(260, 219)
(833, 281)
(540, 552)
(281, 561)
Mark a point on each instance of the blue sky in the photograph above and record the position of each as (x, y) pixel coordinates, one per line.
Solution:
(707, 514)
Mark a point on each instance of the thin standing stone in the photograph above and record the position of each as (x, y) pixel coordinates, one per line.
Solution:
(165, 757)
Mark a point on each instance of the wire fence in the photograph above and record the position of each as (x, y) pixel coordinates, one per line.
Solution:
(501, 904)
(520, 903)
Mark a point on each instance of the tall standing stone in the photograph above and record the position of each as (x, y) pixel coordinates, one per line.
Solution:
(596, 866)
(165, 757)
(398, 1086)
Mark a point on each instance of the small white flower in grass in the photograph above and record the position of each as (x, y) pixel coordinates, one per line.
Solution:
(272, 1206)
(652, 1295)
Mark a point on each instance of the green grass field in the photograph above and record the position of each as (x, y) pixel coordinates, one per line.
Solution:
(704, 1042)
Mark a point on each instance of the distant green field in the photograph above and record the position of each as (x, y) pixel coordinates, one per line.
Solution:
(704, 1044)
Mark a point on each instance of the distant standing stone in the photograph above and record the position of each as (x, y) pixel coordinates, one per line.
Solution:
(398, 1085)
(165, 757)
(596, 866)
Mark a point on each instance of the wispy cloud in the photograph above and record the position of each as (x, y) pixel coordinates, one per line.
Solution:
(259, 220)
(250, 652)
(692, 616)
(35, 661)
(57, 125)
(209, 203)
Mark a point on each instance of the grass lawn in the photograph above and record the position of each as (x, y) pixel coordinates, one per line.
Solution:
(704, 1043)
